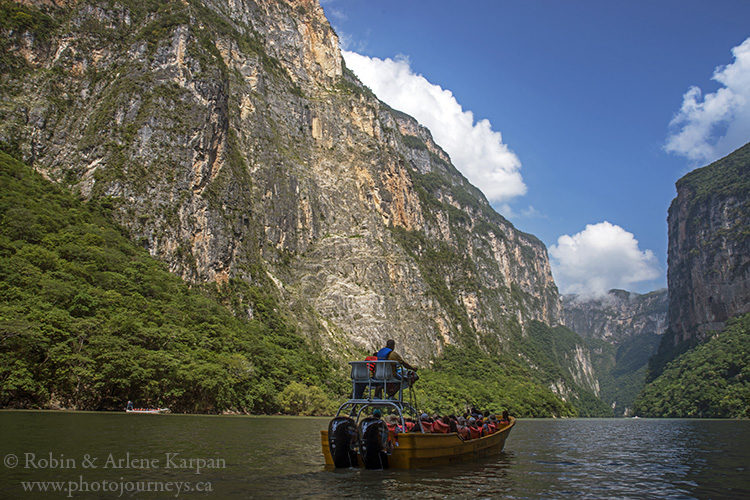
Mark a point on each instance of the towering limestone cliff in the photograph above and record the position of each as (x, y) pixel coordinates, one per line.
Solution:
(233, 144)
(709, 253)
(701, 367)
(623, 330)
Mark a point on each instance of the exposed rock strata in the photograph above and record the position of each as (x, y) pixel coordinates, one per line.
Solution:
(233, 142)
(618, 316)
(709, 248)
(622, 330)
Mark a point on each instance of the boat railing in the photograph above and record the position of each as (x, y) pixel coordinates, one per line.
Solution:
(375, 378)
(371, 381)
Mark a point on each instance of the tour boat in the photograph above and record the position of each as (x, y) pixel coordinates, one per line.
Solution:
(354, 441)
(147, 410)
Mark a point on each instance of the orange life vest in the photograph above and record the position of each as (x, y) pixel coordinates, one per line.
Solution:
(427, 426)
(438, 426)
(474, 432)
(371, 366)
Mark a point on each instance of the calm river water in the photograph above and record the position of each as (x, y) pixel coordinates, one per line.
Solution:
(107, 455)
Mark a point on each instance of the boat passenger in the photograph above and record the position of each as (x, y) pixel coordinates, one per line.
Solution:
(463, 432)
(486, 428)
(388, 353)
(130, 405)
(426, 422)
(453, 426)
(506, 418)
(474, 431)
(392, 422)
(439, 425)
(492, 424)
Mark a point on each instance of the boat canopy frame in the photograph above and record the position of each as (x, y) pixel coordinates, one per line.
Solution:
(375, 377)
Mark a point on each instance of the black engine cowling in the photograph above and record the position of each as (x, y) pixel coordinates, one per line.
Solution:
(373, 440)
(342, 440)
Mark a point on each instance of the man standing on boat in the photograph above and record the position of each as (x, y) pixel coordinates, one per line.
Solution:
(388, 353)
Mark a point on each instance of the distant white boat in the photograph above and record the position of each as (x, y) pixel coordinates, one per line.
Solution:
(147, 410)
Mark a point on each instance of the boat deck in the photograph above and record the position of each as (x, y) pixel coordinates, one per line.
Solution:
(417, 449)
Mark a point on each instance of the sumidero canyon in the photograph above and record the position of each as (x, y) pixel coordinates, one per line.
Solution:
(338, 248)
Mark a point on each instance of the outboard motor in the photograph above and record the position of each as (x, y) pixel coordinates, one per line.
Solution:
(373, 439)
(342, 440)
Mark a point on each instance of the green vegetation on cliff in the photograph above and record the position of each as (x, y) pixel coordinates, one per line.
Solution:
(88, 320)
(711, 380)
(728, 176)
(465, 377)
(621, 370)
(709, 241)
(517, 379)
(173, 86)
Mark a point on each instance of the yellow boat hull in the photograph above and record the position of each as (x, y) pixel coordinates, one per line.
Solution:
(416, 449)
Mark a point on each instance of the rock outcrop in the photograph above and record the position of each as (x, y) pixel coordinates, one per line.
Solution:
(709, 248)
(233, 143)
(622, 330)
(618, 316)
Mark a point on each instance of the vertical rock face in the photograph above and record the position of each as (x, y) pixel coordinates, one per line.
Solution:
(709, 248)
(622, 331)
(233, 143)
(617, 317)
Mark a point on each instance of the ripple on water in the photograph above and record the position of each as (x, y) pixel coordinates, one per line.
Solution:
(278, 457)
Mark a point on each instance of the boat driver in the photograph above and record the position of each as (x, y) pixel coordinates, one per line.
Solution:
(388, 353)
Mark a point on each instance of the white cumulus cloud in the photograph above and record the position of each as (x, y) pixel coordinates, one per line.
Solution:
(601, 257)
(475, 149)
(710, 126)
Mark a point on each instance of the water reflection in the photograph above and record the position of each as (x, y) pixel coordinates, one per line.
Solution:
(270, 457)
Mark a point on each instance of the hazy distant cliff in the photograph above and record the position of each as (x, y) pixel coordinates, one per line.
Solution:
(618, 316)
(623, 330)
(232, 142)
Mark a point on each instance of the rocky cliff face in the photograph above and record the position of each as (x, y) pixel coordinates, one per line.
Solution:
(233, 144)
(709, 248)
(622, 330)
(617, 317)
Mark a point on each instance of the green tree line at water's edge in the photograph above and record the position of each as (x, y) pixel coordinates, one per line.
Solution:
(712, 380)
(89, 320)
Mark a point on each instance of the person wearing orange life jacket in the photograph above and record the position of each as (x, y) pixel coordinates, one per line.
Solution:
(474, 431)
(505, 418)
(440, 426)
(492, 426)
(426, 423)
(486, 428)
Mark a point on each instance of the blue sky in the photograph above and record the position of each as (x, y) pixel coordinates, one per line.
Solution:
(583, 93)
